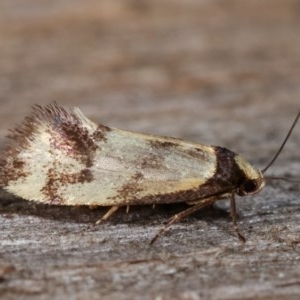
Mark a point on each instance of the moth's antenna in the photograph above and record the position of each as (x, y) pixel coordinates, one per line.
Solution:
(281, 178)
(282, 145)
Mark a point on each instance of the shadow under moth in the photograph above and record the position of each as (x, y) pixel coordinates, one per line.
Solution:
(58, 156)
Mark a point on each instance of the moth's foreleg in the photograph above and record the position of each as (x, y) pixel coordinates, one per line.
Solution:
(183, 214)
(233, 216)
(110, 212)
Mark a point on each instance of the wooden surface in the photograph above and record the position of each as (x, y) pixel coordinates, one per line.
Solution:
(216, 72)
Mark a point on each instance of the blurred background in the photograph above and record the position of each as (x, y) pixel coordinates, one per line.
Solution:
(213, 71)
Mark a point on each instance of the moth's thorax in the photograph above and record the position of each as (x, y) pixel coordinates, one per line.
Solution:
(253, 180)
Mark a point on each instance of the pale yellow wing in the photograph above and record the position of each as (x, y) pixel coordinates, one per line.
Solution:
(61, 157)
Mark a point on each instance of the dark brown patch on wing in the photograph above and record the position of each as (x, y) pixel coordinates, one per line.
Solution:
(174, 197)
(50, 190)
(100, 133)
(58, 180)
(76, 140)
(130, 189)
(71, 178)
(68, 134)
(196, 153)
(163, 144)
(151, 161)
(12, 170)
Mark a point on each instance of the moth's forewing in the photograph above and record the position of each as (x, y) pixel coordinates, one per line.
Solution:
(60, 157)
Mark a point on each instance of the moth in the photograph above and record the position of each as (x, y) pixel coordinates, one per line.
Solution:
(58, 156)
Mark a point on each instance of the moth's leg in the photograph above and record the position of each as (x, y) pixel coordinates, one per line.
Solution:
(233, 216)
(110, 212)
(183, 214)
(127, 209)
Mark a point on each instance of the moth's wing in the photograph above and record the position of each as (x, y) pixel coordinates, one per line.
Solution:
(139, 169)
(61, 157)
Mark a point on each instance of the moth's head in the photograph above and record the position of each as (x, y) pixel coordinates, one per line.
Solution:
(253, 180)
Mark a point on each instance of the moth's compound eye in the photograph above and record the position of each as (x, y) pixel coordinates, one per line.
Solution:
(250, 186)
